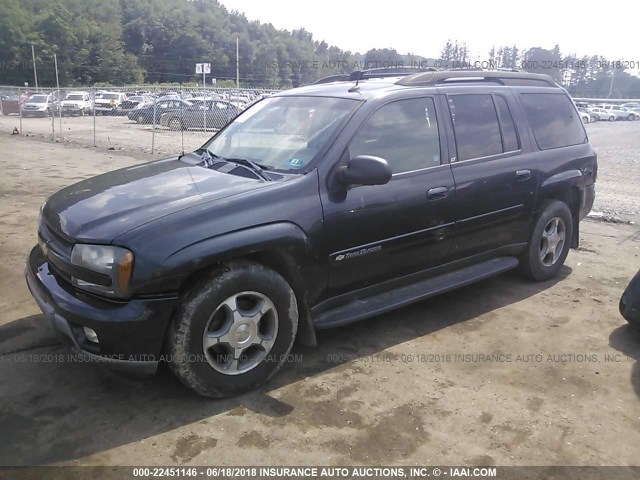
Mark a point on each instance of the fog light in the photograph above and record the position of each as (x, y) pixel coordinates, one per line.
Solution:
(91, 335)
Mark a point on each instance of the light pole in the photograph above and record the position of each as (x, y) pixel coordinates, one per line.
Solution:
(35, 73)
(613, 73)
(55, 61)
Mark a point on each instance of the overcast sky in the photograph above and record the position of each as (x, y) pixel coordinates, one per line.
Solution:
(422, 28)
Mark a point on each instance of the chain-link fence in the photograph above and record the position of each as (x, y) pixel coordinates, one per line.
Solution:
(160, 120)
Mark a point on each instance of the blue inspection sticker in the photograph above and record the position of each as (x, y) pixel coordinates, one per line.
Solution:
(295, 162)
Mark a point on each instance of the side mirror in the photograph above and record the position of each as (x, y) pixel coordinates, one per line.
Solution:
(364, 170)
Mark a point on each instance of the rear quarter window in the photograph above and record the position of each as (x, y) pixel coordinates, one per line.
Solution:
(553, 119)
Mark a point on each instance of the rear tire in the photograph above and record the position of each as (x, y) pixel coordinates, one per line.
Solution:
(612, 118)
(232, 330)
(549, 243)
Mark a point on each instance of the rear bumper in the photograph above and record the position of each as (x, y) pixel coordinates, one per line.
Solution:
(130, 333)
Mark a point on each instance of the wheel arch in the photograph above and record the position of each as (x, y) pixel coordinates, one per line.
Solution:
(568, 194)
(282, 247)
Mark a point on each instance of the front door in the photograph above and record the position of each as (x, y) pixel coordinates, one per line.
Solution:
(378, 233)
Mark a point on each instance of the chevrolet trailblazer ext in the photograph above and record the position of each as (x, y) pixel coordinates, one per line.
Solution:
(316, 207)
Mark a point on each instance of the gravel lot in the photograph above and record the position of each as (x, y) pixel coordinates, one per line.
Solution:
(406, 388)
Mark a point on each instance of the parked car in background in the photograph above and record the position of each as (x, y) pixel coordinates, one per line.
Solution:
(585, 116)
(211, 114)
(630, 302)
(619, 112)
(633, 114)
(106, 103)
(146, 115)
(38, 105)
(594, 114)
(77, 103)
(632, 106)
(10, 103)
(136, 102)
(603, 114)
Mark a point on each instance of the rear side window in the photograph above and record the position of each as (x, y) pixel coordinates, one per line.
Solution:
(553, 119)
(476, 127)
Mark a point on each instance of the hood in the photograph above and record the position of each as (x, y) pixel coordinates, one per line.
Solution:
(104, 207)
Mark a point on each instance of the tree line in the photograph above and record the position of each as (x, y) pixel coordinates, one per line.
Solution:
(124, 42)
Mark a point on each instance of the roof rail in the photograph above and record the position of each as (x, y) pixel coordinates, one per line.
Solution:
(466, 76)
(344, 77)
(374, 73)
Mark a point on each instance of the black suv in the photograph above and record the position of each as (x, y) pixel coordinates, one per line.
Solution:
(314, 208)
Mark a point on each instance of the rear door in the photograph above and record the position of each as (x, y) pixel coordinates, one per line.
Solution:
(495, 176)
(382, 232)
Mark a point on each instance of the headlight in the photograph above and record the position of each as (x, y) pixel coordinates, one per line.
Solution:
(103, 269)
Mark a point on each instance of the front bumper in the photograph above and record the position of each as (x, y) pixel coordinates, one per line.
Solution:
(73, 109)
(130, 333)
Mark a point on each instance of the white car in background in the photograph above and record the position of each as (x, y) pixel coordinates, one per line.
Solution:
(585, 116)
(604, 115)
(38, 105)
(106, 103)
(77, 103)
(620, 112)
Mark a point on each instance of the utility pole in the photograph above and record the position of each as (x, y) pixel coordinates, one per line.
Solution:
(237, 65)
(613, 73)
(35, 73)
(55, 61)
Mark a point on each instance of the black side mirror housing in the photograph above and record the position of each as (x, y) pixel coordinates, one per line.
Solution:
(364, 170)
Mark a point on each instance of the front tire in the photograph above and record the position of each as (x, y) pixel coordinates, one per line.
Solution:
(232, 330)
(549, 243)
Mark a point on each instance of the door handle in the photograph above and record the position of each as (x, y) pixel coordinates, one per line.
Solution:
(522, 175)
(437, 193)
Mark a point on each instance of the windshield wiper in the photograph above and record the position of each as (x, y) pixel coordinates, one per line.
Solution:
(259, 170)
(253, 166)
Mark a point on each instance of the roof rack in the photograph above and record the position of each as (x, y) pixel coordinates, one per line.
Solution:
(374, 73)
(467, 76)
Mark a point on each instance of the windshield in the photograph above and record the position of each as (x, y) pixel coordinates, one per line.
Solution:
(283, 133)
(74, 97)
(107, 96)
(38, 99)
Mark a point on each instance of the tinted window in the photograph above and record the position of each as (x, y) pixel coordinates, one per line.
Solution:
(509, 136)
(475, 123)
(404, 133)
(554, 121)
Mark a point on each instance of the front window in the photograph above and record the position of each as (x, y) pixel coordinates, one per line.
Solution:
(75, 97)
(282, 133)
(404, 133)
(38, 99)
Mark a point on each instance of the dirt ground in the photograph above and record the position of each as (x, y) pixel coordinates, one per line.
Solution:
(504, 372)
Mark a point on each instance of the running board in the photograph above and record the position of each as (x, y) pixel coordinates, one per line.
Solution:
(360, 309)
